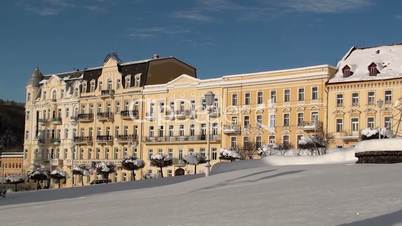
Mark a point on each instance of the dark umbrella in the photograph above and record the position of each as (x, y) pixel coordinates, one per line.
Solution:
(58, 175)
(132, 164)
(195, 159)
(39, 175)
(15, 180)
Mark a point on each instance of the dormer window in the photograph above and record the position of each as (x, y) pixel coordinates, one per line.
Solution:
(373, 69)
(54, 95)
(346, 71)
(137, 80)
(84, 87)
(92, 86)
(109, 85)
(128, 81)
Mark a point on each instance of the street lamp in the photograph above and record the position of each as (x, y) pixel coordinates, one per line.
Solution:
(210, 100)
(380, 104)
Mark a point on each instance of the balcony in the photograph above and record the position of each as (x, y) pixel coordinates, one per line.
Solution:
(183, 139)
(83, 140)
(56, 162)
(125, 139)
(149, 116)
(182, 114)
(107, 93)
(127, 114)
(67, 162)
(85, 117)
(214, 113)
(169, 115)
(353, 136)
(56, 121)
(231, 129)
(105, 139)
(311, 126)
(105, 116)
(55, 141)
(42, 121)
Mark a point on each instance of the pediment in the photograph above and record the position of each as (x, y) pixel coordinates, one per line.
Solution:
(183, 80)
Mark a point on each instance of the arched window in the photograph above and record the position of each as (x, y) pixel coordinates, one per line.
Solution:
(137, 81)
(92, 88)
(109, 85)
(84, 87)
(373, 69)
(127, 81)
(54, 95)
(346, 71)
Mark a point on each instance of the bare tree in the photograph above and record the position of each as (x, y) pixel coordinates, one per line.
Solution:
(58, 175)
(161, 161)
(132, 164)
(195, 159)
(248, 150)
(105, 169)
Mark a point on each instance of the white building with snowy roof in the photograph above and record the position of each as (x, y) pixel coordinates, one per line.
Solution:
(365, 92)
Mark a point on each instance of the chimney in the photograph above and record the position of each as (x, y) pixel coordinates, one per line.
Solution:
(155, 56)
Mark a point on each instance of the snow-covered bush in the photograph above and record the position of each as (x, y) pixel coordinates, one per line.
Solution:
(15, 180)
(315, 144)
(161, 161)
(194, 159)
(58, 175)
(132, 164)
(81, 170)
(369, 134)
(229, 154)
(105, 169)
(39, 175)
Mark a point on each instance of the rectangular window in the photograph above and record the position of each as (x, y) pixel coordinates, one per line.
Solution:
(301, 94)
(314, 93)
(300, 119)
(180, 154)
(339, 100)
(273, 96)
(272, 121)
(214, 154)
(355, 99)
(286, 96)
(339, 125)
(233, 142)
(355, 124)
(371, 98)
(388, 97)
(286, 140)
(246, 121)
(370, 123)
(286, 120)
(234, 99)
(247, 98)
(151, 131)
(171, 131)
(258, 142)
(271, 139)
(150, 153)
(259, 121)
(388, 123)
(245, 142)
(314, 117)
(260, 99)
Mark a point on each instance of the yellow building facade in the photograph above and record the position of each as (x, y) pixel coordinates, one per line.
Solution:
(158, 106)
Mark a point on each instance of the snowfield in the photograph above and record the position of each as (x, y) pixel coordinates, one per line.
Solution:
(394, 144)
(250, 193)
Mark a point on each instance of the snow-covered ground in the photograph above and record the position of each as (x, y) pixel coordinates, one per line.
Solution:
(394, 144)
(261, 195)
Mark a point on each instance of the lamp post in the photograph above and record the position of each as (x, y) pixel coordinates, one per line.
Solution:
(209, 99)
(380, 104)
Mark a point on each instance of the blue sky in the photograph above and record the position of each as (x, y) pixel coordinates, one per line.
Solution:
(216, 36)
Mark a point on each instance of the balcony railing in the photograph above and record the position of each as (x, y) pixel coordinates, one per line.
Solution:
(231, 129)
(214, 113)
(85, 117)
(122, 139)
(311, 126)
(104, 139)
(150, 116)
(175, 139)
(105, 116)
(56, 121)
(182, 114)
(83, 140)
(127, 114)
(107, 93)
(42, 121)
(169, 115)
(55, 140)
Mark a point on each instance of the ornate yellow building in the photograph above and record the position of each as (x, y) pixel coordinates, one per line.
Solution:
(159, 106)
(365, 92)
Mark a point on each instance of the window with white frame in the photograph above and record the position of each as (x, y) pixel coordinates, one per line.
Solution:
(314, 93)
(150, 153)
(84, 86)
(247, 98)
(388, 97)
(260, 97)
(339, 125)
(137, 80)
(245, 142)
(285, 140)
(355, 124)
(92, 85)
(388, 123)
(272, 121)
(259, 121)
(151, 131)
(314, 117)
(301, 94)
(300, 119)
(286, 95)
(192, 130)
(339, 100)
(273, 96)
(271, 139)
(258, 141)
(127, 80)
(355, 99)
(246, 121)
(109, 84)
(214, 154)
(171, 130)
(181, 130)
(215, 129)
(118, 84)
(286, 120)
(371, 98)
(233, 142)
(370, 123)
(234, 99)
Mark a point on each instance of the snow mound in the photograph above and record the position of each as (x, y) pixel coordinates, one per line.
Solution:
(347, 156)
(394, 144)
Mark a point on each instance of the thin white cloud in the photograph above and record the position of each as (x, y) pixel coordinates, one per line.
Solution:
(210, 10)
(151, 32)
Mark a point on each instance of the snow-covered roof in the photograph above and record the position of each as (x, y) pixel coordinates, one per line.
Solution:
(387, 58)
